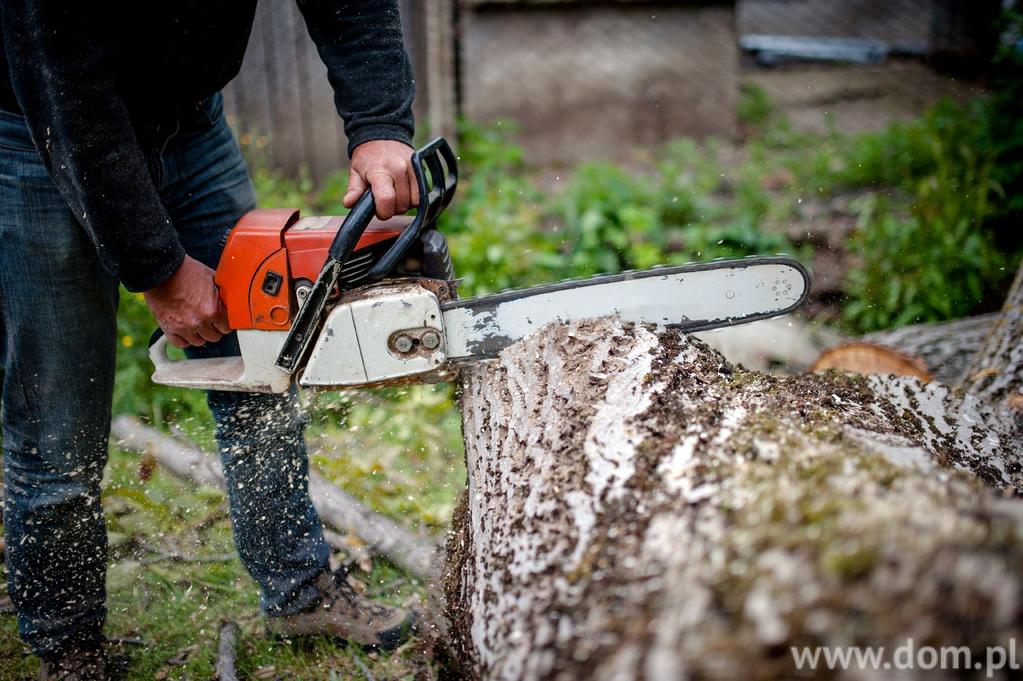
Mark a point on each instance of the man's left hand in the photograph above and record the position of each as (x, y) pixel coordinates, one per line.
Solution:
(386, 167)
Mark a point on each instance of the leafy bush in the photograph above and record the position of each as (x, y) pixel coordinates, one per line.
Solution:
(755, 109)
(493, 224)
(938, 232)
(609, 220)
(505, 232)
(937, 255)
(915, 269)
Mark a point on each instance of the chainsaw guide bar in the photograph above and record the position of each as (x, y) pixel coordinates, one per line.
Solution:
(693, 297)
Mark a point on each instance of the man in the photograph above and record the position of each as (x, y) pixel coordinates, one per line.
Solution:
(116, 165)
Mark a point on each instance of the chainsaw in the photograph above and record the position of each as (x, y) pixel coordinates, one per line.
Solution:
(353, 301)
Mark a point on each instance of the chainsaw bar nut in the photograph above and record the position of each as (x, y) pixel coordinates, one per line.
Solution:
(403, 344)
(430, 340)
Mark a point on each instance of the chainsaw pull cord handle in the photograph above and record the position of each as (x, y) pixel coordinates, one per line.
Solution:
(433, 198)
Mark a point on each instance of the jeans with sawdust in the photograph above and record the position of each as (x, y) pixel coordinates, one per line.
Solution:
(58, 334)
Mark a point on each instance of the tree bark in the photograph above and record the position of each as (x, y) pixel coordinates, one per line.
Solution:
(336, 507)
(997, 373)
(638, 507)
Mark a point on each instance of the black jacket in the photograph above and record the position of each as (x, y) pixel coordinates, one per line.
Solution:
(90, 76)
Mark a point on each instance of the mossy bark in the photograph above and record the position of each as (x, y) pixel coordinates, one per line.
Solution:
(637, 507)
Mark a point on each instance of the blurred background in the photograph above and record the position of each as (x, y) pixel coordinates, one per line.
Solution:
(591, 80)
(636, 131)
(880, 141)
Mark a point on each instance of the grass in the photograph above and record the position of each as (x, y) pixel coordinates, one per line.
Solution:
(398, 449)
(176, 608)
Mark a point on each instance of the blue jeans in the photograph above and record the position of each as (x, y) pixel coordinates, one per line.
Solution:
(58, 312)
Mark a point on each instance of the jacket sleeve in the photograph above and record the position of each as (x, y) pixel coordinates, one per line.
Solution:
(360, 41)
(81, 128)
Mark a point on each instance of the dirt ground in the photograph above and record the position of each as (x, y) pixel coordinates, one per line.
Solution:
(856, 98)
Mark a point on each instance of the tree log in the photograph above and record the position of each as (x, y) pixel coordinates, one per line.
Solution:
(336, 507)
(942, 352)
(227, 652)
(861, 357)
(638, 507)
(945, 349)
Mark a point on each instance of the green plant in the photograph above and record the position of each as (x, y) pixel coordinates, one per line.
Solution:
(494, 227)
(916, 269)
(610, 220)
(708, 241)
(937, 255)
(755, 109)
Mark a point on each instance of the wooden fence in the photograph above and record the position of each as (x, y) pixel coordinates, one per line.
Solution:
(627, 80)
(582, 78)
(282, 106)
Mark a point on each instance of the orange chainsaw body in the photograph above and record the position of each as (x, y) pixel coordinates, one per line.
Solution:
(271, 249)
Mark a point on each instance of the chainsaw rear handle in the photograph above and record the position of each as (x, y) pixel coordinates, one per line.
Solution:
(158, 346)
(158, 349)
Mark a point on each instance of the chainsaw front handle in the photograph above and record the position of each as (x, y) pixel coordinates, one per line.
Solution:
(437, 181)
(434, 197)
(351, 230)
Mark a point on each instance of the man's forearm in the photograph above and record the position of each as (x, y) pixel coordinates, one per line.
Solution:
(361, 43)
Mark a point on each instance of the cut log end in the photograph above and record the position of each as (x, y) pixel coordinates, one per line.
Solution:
(870, 358)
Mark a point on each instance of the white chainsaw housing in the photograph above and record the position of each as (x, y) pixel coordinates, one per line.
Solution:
(361, 340)
(386, 332)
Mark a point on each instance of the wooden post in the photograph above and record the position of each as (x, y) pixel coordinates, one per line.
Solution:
(441, 78)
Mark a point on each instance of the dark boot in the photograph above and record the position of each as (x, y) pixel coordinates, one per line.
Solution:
(344, 613)
(78, 663)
